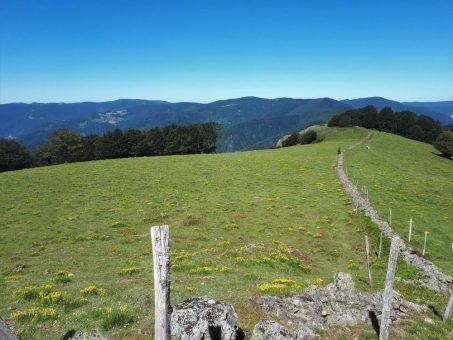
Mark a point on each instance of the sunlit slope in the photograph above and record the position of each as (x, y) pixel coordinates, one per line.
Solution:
(224, 210)
(411, 179)
(241, 224)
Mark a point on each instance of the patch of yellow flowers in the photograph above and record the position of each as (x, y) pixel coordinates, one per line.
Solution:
(34, 313)
(130, 270)
(209, 269)
(92, 290)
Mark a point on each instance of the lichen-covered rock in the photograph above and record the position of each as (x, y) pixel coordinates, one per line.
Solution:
(202, 318)
(271, 330)
(93, 335)
(5, 332)
(337, 304)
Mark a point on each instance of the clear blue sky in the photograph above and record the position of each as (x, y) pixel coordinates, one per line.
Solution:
(77, 50)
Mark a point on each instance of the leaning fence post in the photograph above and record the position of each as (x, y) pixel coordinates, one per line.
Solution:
(367, 254)
(424, 243)
(410, 230)
(449, 308)
(380, 246)
(387, 295)
(161, 262)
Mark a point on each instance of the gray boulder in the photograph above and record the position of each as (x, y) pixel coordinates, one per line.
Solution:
(202, 318)
(5, 332)
(93, 335)
(271, 330)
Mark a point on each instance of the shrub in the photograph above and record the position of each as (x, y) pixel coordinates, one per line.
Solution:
(444, 143)
(291, 140)
(308, 137)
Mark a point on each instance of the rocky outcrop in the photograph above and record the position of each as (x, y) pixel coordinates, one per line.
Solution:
(337, 304)
(202, 318)
(435, 278)
(93, 335)
(271, 330)
(5, 332)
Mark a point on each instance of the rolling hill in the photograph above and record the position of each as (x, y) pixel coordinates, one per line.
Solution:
(238, 221)
(249, 122)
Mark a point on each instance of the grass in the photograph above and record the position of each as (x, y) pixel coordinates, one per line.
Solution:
(411, 179)
(241, 224)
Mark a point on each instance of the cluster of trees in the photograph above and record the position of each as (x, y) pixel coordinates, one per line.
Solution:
(404, 123)
(13, 156)
(65, 146)
(307, 137)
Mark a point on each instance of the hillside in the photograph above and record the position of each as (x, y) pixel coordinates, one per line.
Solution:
(249, 123)
(414, 181)
(237, 221)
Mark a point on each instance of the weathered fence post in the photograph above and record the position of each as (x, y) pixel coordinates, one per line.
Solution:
(390, 216)
(424, 243)
(387, 295)
(367, 194)
(410, 230)
(367, 254)
(380, 246)
(449, 307)
(161, 262)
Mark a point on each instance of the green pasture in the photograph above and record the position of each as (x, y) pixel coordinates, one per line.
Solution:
(415, 182)
(76, 254)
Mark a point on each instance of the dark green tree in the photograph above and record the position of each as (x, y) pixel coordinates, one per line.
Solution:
(135, 143)
(110, 145)
(431, 129)
(13, 156)
(370, 117)
(64, 146)
(155, 142)
(387, 120)
(404, 120)
(444, 143)
(415, 132)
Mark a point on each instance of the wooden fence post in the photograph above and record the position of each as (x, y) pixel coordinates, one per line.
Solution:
(161, 262)
(390, 216)
(410, 230)
(449, 308)
(367, 254)
(424, 243)
(387, 295)
(380, 246)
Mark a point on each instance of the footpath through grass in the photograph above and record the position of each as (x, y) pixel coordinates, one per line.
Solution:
(75, 245)
(411, 179)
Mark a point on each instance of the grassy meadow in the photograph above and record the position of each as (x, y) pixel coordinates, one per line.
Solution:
(75, 245)
(411, 179)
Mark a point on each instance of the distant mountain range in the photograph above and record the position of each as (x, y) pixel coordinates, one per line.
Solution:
(248, 122)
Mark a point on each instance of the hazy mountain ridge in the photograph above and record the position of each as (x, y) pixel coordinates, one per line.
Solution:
(249, 122)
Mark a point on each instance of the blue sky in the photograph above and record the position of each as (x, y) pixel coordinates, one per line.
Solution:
(96, 50)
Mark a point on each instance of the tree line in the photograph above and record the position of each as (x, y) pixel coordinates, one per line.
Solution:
(66, 146)
(405, 123)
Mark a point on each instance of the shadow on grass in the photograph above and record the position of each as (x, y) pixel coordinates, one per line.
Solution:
(436, 313)
(374, 322)
(441, 156)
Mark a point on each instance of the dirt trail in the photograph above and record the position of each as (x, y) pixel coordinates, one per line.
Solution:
(435, 278)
